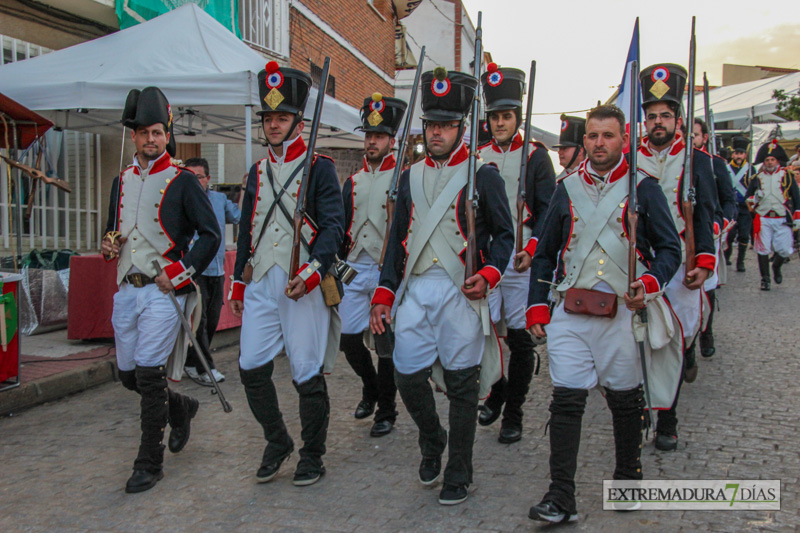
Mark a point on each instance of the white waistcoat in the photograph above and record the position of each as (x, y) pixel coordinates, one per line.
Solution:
(508, 163)
(369, 212)
(773, 198)
(668, 169)
(140, 206)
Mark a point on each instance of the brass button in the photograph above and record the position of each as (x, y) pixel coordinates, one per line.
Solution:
(309, 270)
(465, 244)
(120, 220)
(155, 220)
(156, 205)
(365, 236)
(354, 193)
(458, 233)
(619, 219)
(622, 234)
(161, 191)
(161, 233)
(602, 261)
(622, 204)
(123, 194)
(294, 195)
(134, 238)
(277, 229)
(575, 219)
(452, 220)
(409, 230)
(574, 235)
(599, 272)
(452, 207)
(168, 180)
(355, 208)
(298, 182)
(675, 189)
(258, 198)
(133, 251)
(260, 183)
(383, 205)
(121, 206)
(435, 260)
(354, 182)
(674, 203)
(276, 244)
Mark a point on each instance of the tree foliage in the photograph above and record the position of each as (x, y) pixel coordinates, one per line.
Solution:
(788, 104)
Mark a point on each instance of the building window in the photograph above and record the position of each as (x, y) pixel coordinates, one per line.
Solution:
(316, 77)
(265, 25)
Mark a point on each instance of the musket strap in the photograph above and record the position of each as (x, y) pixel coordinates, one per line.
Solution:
(275, 202)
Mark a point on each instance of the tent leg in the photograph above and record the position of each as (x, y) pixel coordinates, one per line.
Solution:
(248, 136)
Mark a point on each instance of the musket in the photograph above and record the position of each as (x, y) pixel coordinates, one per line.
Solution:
(187, 328)
(471, 260)
(300, 209)
(688, 195)
(712, 134)
(523, 165)
(633, 222)
(391, 196)
(750, 148)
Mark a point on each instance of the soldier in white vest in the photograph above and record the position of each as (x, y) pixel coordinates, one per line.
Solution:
(364, 197)
(503, 89)
(282, 311)
(154, 211)
(571, 152)
(590, 335)
(741, 173)
(443, 329)
(661, 154)
(774, 197)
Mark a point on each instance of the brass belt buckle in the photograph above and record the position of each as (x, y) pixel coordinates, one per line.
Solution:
(136, 280)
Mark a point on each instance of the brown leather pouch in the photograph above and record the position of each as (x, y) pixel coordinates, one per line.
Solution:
(331, 290)
(247, 273)
(589, 302)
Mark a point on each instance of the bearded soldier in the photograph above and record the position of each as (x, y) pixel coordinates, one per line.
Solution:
(282, 310)
(153, 214)
(741, 173)
(775, 199)
(364, 196)
(571, 152)
(662, 155)
(503, 89)
(442, 324)
(590, 333)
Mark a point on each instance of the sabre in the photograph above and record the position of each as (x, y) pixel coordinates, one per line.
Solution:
(193, 341)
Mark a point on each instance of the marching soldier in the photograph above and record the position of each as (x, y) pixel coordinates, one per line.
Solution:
(281, 310)
(503, 89)
(741, 173)
(775, 199)
(153, 214)
(442, 327)
(590, 336)
(724, 214)
(364, 196)
(571, 152)
(662, 155)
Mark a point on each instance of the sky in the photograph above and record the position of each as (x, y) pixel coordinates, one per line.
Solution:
(580, 46)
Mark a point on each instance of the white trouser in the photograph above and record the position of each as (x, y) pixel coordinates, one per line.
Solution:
(436, 320)
(146, 326)
(712, 281)
(774, 236)
(355, 306)
(272, 322)
(510, 298)
(686, 303)
(585, 350)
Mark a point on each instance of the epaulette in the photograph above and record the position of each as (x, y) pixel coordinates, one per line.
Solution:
(316, 155)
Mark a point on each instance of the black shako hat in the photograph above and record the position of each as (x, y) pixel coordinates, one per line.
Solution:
(382, 114)
(447, 95)
(484, 135)
(663, 83)
(502, 88)
(147, 107)
(740, 144)
(283, 89)
(572, 131)
(773, 149)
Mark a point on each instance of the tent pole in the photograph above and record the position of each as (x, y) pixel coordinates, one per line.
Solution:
(19, 201)
(248, 138)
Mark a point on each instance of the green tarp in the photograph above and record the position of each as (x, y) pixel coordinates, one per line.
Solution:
(132, 12)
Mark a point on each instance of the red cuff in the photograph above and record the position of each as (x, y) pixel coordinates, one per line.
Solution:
(383, 296)
(537, 314)
(796, 215)
(237, 291)
(651, 285)
(490, 274)
(178, 275)
(312, 281)
(708, 261)
(716, 228)
(531, 246)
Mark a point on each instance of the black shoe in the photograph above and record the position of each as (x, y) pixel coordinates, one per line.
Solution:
(267, 471)
(666, 443)
(379, 429)
(429, 470)
(364, 409)
(488, 415)
(776, 269)
(690, 373)
(142, 480)
(179, 436)
(453, 494)
(307, 476)
(707, 348)
(548, 512)
(765, 284)
(509, 435)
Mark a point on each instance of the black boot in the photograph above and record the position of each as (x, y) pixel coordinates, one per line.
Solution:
(387, 393)
(315, 413)
(777, 263)
(763, 268)
(492, 408)
(417, 395)
(707, 348)
(360, 359)
(181, 411)
(728, 253)
(566, 413)
(462, 392)
(627, 411)
(667, 424)
(740, 257)
(520, 372)
(263, 401)
(128, 380)
(690, 368)
(147, 469)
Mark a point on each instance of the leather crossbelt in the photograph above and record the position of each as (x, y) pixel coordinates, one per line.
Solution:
(139, 280)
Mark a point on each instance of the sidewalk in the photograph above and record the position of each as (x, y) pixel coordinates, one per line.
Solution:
(54, 367)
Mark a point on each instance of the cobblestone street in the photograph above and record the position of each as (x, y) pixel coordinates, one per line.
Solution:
(64, 464)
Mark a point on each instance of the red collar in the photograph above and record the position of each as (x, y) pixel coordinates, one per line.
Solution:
(768, 173)
(388, 163)
(458, 156)
(678, 144)
(163, 162)
(516, 144)
(292, 149)
(616, 173)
